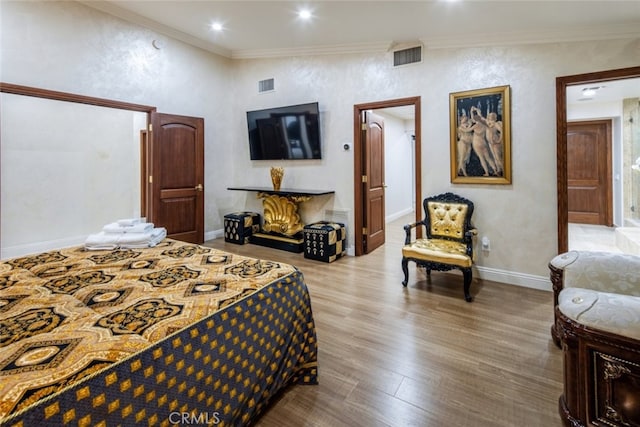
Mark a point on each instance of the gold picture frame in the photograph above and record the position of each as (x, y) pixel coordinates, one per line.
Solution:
(480, 125)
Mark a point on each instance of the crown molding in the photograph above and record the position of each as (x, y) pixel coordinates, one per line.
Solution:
(455, 42)
(374, 47)
(539, 37)
(586, 33)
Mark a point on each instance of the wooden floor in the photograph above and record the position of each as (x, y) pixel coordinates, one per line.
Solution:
(420, 355)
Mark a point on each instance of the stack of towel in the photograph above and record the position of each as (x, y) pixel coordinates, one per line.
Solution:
(126, 234)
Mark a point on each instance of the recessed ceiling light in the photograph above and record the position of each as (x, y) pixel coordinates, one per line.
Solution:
(591, 91)
(216, 26)
(304, 14)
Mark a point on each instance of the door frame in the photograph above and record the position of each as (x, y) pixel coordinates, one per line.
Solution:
(561, 138)
(359, 152)
(80, 99)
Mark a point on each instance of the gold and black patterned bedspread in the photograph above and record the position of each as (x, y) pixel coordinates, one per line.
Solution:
(175, 334)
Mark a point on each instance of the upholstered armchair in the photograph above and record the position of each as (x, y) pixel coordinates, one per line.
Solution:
(449, 238)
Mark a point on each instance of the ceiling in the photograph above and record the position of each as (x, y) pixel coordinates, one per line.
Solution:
(259, 29)
(271, 28)
(605, 91)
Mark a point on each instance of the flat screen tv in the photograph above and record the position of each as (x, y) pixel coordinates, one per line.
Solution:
(285, 133)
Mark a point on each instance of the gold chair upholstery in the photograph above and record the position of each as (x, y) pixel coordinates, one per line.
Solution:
(449, 240)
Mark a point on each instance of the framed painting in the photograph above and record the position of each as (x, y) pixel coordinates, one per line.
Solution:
(480, 124)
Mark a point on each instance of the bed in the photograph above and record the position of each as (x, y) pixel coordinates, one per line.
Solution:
(174, 334)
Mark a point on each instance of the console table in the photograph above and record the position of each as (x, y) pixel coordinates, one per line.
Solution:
(282, 227)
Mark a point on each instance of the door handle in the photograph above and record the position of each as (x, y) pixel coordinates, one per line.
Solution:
(198, 187)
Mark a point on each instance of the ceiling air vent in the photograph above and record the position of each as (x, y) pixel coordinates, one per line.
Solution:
(266, 85)
(410, 55)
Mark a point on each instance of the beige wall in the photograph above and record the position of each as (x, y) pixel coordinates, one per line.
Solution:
(520, 219)
(69, 47)
(67, 169)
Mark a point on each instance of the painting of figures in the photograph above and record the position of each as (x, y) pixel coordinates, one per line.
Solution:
(481, 136)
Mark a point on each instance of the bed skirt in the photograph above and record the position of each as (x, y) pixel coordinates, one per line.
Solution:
(221, 370)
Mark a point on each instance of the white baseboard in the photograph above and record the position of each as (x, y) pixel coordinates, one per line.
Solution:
(394, 216)
(514, 278)
(34, 248)
(215, 234)
(485, 273)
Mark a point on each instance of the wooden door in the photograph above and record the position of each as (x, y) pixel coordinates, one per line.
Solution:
(176, 176)
(373, 152)
(589, 179)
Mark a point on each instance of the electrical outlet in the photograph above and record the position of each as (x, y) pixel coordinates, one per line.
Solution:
(486, 244)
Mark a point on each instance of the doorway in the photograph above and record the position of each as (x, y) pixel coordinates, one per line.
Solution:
(562, 86)
(362, 158)
(177, 165)
(75, 136)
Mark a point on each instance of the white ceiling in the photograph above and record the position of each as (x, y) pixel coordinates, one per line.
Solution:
(605, 91)
(271, 28)
(258, 29)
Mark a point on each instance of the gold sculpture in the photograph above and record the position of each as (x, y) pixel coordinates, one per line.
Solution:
(277, 172)
(281, 214)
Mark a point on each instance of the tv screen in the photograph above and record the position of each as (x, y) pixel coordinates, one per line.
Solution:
(290, 133)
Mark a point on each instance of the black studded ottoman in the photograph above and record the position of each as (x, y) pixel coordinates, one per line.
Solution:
(324, 241)
(239, 226)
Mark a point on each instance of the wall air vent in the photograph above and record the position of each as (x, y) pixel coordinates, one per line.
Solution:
(410, 55)
(267, 85)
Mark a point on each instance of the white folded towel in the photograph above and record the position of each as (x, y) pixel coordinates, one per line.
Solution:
(110, 241)
(94, 246)
(127, 222)
(156, 236)
(103, 238)
(141, 227)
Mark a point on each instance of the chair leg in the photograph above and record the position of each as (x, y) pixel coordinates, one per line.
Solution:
(405, 270)
(467, 284)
